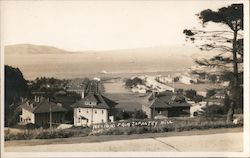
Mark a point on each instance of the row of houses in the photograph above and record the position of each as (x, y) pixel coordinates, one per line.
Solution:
(93, 107)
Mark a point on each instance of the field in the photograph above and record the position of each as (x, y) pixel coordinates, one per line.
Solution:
(126, 100)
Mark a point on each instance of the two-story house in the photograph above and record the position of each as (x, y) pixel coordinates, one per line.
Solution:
(94, 108)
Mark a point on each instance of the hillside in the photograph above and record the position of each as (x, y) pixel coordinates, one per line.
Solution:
(33, 49)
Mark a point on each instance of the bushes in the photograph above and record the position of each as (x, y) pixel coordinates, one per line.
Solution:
(46, 134)
(213, 110)
(180, 124)
(125, 115)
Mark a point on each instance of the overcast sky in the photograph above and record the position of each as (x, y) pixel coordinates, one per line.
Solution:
(85, 25)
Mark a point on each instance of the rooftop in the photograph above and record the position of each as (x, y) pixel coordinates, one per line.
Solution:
(167, 100)
(42, 106)
(101, 102)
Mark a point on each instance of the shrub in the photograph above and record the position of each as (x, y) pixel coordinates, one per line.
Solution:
(179, 124)
(46, 134)
(133, 82)
(213, 110)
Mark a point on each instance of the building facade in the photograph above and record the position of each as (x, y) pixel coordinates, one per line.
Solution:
(41, 112)
(90, 110)
(166, 104)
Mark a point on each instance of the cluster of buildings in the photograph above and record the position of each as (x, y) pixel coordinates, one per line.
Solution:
(92, 107)
(150, 84)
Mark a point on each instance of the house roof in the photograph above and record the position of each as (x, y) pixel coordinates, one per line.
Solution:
(43, 106)
(168, 100)
(66, 100)
(101, 102)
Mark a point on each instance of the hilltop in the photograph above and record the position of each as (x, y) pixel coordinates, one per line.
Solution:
(33, 49)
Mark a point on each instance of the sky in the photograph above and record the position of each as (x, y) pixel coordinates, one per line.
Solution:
(102, 25)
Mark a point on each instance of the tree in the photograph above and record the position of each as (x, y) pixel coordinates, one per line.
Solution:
(133, 82)
(15, 87)
(191, 94)
(228, 43)
(139, 114)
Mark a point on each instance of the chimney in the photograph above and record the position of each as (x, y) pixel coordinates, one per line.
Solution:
(82, 94)
(35, 98)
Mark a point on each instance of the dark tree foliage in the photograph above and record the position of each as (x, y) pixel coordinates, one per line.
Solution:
(190, 94)
(15, 88)
(133, 82)
(230, 45)
(139, 114)
(213, 110)
(211, 92)
(125, 115)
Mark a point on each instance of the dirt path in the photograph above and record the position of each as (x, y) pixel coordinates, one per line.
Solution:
(209, 142)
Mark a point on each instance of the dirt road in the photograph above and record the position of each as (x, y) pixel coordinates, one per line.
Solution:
(212, 142)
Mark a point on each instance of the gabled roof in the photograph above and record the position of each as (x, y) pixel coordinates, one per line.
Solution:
(168, 100)
(43, 106)
(101, 102)
(91, 98)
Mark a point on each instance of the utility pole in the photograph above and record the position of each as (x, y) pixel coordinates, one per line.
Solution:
(92, 115)
(50, 116)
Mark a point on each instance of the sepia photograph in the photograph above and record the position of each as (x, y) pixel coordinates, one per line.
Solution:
(164, 78)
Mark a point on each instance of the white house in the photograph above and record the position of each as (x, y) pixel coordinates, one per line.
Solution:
(90, 110)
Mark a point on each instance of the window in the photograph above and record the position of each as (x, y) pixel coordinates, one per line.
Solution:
(79, 110)
(102, 121)
(102, 111)
(87, 111)
(95, 111)
(79, 119)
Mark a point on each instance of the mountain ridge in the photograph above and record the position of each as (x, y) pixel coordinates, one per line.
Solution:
(46, 49)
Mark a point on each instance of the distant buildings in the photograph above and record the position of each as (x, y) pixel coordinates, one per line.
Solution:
(150, 83)
(164, 79)
(167, 104)
(41, 111)
(187, 79)
(217, 99)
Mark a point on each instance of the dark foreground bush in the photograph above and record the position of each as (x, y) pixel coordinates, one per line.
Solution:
(46, 134)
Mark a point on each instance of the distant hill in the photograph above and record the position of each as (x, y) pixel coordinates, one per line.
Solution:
(173, 51)
(33, 49)
(38, 60)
